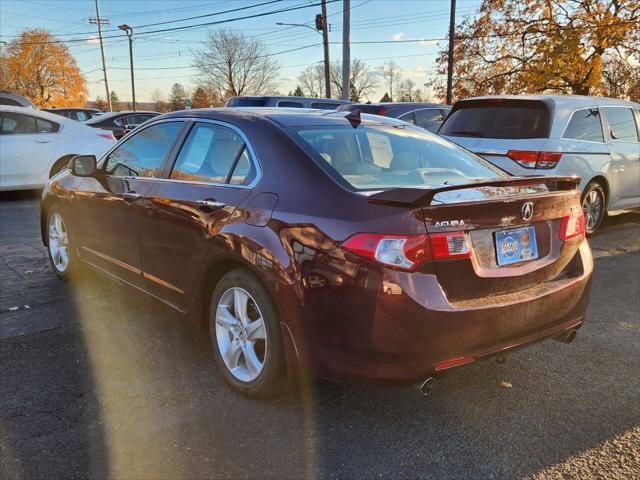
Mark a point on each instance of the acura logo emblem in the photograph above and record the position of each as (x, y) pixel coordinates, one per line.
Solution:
(527, 211)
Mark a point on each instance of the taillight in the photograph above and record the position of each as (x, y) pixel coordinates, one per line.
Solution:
(407, 252)
(108, 136)
(449, 245)
(572, 226)
(531, 159)
(382, 111)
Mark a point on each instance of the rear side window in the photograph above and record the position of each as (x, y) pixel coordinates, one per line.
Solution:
(142, 154)
(430, 119)
(9, 101)
(585, 125)
(210, 153)
(509, 119)
(621, 124)
(17, 123)
(408, 117)
(246, 102)
(325, 105)
(287, 104)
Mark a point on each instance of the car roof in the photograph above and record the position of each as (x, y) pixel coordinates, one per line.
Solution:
(17, 97)
(286, 117)
(293, 98)
(72, 108)
(561, 102)
(407, 104)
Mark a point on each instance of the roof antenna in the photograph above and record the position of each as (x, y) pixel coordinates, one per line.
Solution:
(354, 118)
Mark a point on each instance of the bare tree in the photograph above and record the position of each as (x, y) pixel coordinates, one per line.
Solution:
(312, 80)
(363, 82)
(409, 92)
(390, 74)
(159, 102)
(234, 64)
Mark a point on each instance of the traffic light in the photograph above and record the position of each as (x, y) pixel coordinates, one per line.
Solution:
(319, 22)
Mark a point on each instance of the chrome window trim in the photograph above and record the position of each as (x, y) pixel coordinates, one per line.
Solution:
(439, 109)
(252, 156)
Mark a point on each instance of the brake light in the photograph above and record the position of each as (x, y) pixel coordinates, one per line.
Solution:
(532, 159)
(449, 245)
(407, 252)
(382, 111)
(572, 226)
(108, 136)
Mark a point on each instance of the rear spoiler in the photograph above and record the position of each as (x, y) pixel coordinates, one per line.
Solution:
(422, 197)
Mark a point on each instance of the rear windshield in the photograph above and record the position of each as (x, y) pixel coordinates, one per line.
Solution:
(246, 102)
(498, 119)
(104, 116)
(380, 157)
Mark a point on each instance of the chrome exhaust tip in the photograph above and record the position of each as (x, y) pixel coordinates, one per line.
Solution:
(567, 337)
(426, 386)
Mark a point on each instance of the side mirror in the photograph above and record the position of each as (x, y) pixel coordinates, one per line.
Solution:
(83, 165)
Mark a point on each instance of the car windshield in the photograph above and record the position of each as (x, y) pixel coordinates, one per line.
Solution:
(380, 157)
(498, 119)
(246, 102)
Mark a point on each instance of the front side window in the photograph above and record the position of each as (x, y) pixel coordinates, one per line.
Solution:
(585, 125)
(18, 123)
(210, 153)
(430, 119)
(82, 116)
(622, 126)
(142, 154)
(379, 157)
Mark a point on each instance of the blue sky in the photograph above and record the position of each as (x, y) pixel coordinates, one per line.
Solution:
(164, 58)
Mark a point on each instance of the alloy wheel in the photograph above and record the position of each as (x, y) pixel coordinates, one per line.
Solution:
(593, 207)
(241, 334)
(58, 243)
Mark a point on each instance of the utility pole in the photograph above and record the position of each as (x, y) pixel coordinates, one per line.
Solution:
(98, 21)
(346, 48)
(325, 41)
(129, 31)
(452, 31)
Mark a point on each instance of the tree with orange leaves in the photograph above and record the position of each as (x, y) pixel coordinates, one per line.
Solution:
(40, 68)
(583, 47)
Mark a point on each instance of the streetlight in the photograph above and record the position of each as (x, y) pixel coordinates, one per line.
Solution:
(323, 29)
(129, 31)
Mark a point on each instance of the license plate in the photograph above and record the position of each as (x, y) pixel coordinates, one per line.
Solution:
(517, 245)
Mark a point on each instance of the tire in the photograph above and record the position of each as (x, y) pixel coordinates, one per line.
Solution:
(60, 250)
(249, 355)
(593, 203)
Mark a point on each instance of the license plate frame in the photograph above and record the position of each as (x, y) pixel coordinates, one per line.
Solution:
(515, 245)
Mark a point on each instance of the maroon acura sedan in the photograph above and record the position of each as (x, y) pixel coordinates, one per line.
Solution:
(320, 243)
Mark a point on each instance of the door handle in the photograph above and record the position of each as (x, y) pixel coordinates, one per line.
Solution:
(131, 197)
(42, 141)
(209, 205)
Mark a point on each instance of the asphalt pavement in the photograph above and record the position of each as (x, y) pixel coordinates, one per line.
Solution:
(100, 381)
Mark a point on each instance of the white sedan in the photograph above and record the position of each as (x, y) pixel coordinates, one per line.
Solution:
(35, 145)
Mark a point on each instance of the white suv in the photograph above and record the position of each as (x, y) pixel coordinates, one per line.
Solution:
(594, 138)
(35, 145)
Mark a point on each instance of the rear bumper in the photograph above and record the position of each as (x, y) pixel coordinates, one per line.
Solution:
(401, 325)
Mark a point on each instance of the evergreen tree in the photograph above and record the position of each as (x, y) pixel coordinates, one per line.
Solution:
(177, 97)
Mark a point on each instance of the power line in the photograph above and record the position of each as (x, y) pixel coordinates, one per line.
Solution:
(187, 27)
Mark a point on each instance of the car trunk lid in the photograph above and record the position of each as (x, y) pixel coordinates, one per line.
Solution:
(492, 216)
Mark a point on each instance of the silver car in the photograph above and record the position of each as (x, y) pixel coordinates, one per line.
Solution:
(594, 138)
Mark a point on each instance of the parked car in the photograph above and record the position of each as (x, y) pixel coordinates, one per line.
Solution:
(120, 123)
(594, 138)
(287, 102)
(35, 145)
(425, 115)
(78, 114)
(343, 245)
(14, 100)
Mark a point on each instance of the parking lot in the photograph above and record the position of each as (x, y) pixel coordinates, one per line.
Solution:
(100, 381)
